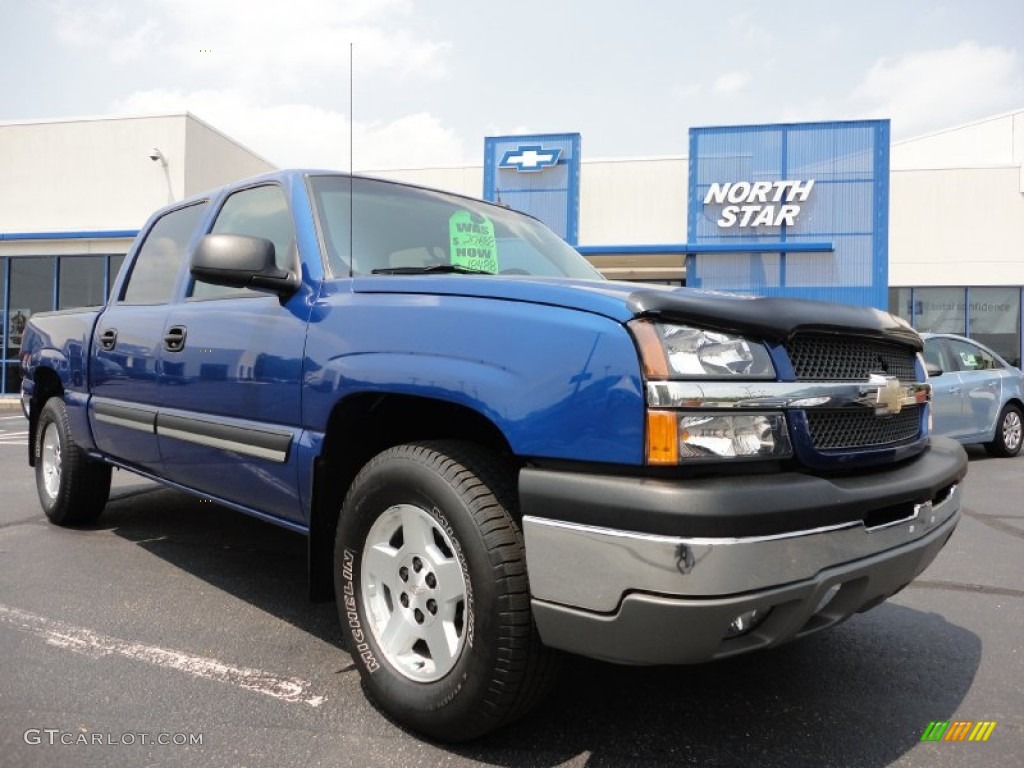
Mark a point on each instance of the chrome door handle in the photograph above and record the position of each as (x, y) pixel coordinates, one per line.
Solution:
(174, 340)
(108, 339)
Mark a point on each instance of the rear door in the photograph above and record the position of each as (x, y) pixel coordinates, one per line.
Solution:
(231, 374)
(125, 356)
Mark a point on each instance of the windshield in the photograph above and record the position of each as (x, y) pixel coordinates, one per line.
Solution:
(408, 230)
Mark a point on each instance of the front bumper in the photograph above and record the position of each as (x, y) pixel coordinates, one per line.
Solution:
(652, 598)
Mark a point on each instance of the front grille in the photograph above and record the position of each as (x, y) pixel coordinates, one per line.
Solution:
(861, 428)
(842, 358)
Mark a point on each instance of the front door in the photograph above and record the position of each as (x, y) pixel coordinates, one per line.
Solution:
(231, 374)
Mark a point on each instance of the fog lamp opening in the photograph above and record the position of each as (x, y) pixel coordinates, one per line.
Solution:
(746, 622)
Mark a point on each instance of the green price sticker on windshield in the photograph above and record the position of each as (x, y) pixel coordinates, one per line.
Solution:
(472, 242)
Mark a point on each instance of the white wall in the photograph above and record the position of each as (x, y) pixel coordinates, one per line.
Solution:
(213, 159)
(87, 174)
(95, 174)
(960, 226)
(986, 143)
(630, 202)
(76, 247)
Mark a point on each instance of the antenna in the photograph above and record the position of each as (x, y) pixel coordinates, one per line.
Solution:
(351, 161)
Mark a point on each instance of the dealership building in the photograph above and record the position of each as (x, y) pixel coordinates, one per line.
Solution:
(931, 228)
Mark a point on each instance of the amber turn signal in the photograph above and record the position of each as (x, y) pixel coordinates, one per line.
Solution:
(662, 438)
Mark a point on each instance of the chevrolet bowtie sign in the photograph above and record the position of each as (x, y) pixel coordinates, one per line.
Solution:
(530, 158)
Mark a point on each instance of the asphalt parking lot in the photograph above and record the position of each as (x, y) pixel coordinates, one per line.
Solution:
(176, 620)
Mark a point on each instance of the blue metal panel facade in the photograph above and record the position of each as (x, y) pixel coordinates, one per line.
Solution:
(839, 194)
(539, 175)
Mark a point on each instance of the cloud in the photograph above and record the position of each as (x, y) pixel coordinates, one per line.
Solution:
(930, 89)
(730, 82)
(88, 26)
(294, 135)
(275, 46)
(744, 26)
(275, 76)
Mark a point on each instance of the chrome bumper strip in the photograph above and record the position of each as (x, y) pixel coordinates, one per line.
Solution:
(592, 568)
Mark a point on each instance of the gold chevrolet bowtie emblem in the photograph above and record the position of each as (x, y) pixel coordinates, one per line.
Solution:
(890, 397)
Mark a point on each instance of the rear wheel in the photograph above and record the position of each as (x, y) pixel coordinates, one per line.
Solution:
(432, 590)
(73, 489)
(1009, 433)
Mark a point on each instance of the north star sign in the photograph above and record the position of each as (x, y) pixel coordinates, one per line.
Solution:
(530, 158)
(758, 203)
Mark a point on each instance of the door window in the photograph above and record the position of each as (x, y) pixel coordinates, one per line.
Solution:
(971, 358)
(155, 271)
(936, 354)
(256, 212)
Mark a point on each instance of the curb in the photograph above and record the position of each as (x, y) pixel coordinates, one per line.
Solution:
(10, 405)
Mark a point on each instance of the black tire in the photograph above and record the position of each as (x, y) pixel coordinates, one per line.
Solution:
(501, 669)
(77, 491)
(1009, 433)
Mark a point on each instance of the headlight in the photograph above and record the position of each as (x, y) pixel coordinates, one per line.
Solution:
(680, 351)
(684, 436)
(670, 351)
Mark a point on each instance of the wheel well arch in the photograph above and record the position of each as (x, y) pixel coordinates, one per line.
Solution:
(47, 384)
(361, 426)
(1014, 401)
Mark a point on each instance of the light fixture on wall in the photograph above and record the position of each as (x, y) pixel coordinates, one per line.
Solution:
(158, 157)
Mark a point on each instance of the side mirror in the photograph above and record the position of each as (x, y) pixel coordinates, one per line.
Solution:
(239, 261)
(932, 369)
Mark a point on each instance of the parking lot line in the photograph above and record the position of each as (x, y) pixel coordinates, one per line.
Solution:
(85, 641)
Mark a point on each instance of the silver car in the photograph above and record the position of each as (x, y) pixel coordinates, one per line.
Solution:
(977, 396)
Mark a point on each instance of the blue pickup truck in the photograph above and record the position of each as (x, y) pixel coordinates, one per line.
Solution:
(496, 455)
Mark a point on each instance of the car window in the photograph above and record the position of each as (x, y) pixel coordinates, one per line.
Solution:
(969, 357)
(154, 272)
(933, 353)
(411, 228)
(256, 212)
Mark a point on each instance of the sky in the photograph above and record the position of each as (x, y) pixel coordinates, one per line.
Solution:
(432, 78)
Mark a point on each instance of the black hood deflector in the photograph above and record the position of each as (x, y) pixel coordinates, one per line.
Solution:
(771, 319)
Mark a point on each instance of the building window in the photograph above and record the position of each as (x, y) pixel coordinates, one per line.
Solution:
(900, 303)
(31, 290)
(4, 366)
(991, 315)
(995, 320)
(115, 268)
(940, 310)
(81, 282)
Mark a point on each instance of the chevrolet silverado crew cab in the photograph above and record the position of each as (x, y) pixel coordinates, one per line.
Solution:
(495, 454)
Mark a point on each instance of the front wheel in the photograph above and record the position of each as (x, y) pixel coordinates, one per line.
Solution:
(73, 489)
(1009, 433)
(432, 590)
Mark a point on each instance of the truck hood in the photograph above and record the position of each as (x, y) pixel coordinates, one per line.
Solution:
(770, 319)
